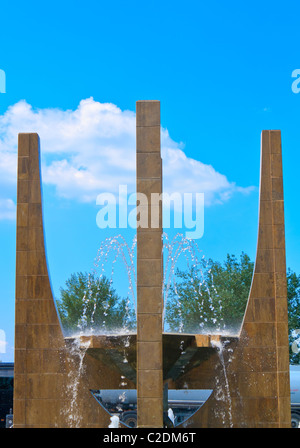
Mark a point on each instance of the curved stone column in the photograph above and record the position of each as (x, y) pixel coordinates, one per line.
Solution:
(52, 382)
(254, 388)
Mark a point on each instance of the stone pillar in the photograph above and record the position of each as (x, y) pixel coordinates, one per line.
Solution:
(50, 390)
(38, 367)
(264, 372)
(265, 327)
(149, 267)
(257, 388)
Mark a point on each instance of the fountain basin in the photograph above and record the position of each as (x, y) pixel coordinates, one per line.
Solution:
(182, 353)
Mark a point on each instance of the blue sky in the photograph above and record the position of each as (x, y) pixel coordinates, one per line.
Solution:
(223, 73)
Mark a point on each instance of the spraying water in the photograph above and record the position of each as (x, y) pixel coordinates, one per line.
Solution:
(180, 251)
(187, 252)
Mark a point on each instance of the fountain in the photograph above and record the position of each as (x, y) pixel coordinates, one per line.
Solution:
(246, 375)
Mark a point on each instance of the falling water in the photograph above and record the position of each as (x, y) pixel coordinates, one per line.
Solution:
(121, 250)
(178, 250)
(114, 422)
(75, 375)
(188, 249)
(171, 415)
(112, 249)
(220, 349)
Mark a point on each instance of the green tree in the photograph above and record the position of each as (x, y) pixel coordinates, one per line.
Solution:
(293, 294)
(88, 302)
(213, 294)
(210, 295)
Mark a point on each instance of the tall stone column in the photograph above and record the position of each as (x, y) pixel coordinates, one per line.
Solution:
(256, 390)
(149, 267)
(50, 388)
(263, 352)
(39, 369)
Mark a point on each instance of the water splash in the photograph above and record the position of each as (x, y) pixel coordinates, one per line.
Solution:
(77, 352)
(219, 345)
(122, 250)
(114, 422)
(188, 250)
(176, 252)
(111, 251)
(171, 416)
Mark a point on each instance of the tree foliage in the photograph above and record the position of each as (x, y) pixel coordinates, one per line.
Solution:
(91, 303)
(293, 294)
(213, 296)
(216, 298)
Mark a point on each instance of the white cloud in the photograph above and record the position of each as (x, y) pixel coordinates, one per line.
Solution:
(91, 150)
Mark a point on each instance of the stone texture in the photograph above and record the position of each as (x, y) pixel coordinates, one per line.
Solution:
(147, 113)
(149, 267)
(149, 327)
(149, 383)
(148, 139)
(148, 165)
(150, 299)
